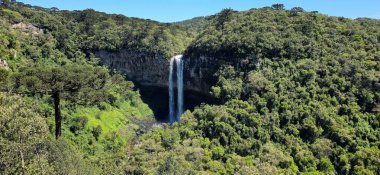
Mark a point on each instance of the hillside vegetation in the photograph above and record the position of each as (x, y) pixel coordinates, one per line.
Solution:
(298, 93)
(52, 72)
(195, 24)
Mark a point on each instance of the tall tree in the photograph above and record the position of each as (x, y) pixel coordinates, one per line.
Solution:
(224, 16)
(278, 6)
(81, 83)
(295, 10)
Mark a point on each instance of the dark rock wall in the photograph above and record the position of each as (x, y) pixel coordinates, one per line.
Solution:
(199, 73)
(144, 69)
(153, 70)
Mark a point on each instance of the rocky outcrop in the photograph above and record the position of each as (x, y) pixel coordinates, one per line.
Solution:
(3, 64)
(28, 28)
(153, 70)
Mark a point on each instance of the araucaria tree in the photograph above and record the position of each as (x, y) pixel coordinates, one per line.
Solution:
(73, 82)
(278, 6)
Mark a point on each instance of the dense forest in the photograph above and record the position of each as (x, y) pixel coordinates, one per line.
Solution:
(297, 93)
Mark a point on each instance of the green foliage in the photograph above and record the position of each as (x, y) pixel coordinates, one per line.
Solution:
(72, 82)
(97, 131)
(229, 85)
(218, 152)
(171, 166)
(115, 32)
(195, 24)
(326, 166)
(74, 79)
(297, 91)
(21, 132)
(101, 112)
(309, 84)
(78, 124)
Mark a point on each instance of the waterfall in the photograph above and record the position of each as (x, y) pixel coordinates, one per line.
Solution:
(179, 62)
(174, 115)
(171, 91)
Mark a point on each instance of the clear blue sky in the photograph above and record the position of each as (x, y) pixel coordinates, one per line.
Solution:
(176, 10)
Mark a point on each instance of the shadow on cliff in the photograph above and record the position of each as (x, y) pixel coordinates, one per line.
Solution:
(157, 99)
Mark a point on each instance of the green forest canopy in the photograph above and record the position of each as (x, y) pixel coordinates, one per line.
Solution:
(298, 92)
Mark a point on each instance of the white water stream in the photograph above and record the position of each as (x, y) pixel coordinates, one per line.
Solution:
(174, 114)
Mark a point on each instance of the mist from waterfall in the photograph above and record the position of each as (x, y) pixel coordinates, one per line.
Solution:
(174, 114)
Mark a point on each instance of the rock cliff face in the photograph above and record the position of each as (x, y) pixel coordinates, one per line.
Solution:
(199, 73)
(153, 70)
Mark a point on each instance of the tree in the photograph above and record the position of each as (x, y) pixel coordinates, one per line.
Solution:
(224, 16)
(54, 9)
(81, 83)
(278, 6)
(97, 131)
(4, 74)
(326, 166)
(170, 167)
(295, 10)
(22, 135)
(229, 84)
(257, 83)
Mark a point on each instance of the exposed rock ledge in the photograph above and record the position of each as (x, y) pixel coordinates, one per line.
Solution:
(28, 28)
(3, 64)
(153, 70)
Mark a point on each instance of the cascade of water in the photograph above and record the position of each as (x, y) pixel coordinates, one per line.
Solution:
(173, 116)
(179, 62)
(171, 92)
